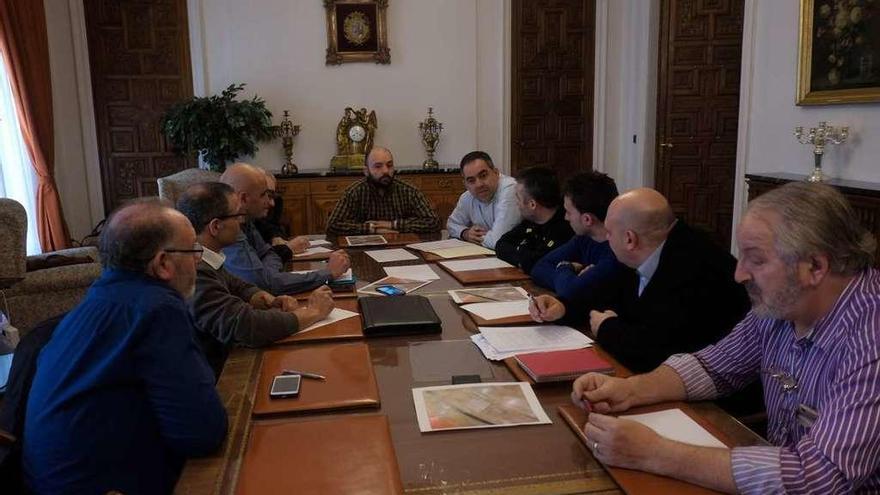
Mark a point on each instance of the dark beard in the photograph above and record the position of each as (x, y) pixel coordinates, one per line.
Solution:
(384, 182)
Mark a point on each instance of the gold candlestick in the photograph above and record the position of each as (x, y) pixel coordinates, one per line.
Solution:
(430, 130)
(288, 132)
(820, 137)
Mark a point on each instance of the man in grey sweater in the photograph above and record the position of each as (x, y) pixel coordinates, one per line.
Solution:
(228, 310)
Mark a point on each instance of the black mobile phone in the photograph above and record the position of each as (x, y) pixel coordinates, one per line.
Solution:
(284, 386)
(390, 290)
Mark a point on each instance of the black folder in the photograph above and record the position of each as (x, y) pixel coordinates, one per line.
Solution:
(398, 315)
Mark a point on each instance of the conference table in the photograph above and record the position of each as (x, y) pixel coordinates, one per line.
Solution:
(539, 459)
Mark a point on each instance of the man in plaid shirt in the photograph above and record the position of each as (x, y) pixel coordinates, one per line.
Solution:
(378, 204)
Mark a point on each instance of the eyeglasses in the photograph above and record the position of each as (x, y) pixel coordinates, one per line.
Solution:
(197, 251)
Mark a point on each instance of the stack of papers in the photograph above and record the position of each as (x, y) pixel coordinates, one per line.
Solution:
(451, 248)
(498, 310)
(416, 272)
(499, 343)
(477, 264)
(388, 255)
(319, 242)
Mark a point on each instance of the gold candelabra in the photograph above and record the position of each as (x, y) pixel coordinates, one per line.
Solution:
(288, 131)
(820, 137)
(430, 130)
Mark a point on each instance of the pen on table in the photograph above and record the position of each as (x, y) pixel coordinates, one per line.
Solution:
(304, 374)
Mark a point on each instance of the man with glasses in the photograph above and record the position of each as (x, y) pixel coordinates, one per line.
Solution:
(812, 338)
(227, 310)
(250, 258)
(668, 301)
(270, 228)
(122, 395)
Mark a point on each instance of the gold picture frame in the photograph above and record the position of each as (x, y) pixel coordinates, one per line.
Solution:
(838, 52)
(357, 31)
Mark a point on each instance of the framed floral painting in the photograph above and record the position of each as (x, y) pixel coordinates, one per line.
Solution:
(839, 52)
(357, 31)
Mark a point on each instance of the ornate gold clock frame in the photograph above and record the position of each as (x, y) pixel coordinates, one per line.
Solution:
(357, 31)
(354, 139)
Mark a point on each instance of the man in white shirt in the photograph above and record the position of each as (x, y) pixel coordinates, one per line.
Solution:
(488, 209)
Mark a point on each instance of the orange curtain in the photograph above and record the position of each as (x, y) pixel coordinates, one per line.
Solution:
(25, 44)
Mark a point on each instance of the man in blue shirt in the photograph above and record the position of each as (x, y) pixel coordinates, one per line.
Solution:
(122, 395)
(251, 258)
(574, 269)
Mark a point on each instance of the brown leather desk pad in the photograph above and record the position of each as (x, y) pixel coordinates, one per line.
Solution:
(508, 274)
(350, 383)
(339, 292)
(347, 454)
(390, 240)
(632, 481)
(349, 328)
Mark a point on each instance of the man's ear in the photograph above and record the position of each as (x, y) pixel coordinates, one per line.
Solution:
(213, 227)
(160, 267)
(588, 219)
(631, 239)
(818, 266)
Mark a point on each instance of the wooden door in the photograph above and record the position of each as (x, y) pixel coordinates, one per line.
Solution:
(552, 84)
(140, 65)
(697, 110)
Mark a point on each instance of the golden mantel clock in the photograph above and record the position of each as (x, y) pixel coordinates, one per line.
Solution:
(354, 139)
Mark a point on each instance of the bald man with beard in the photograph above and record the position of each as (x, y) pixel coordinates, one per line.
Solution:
(679, 294)
(253, 260)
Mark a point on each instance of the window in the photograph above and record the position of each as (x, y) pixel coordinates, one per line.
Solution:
(17, 179)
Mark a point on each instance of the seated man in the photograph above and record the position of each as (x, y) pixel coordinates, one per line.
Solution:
(270, 228)
(254, 261)
(543, 227)
(577, 267)
(380, 204)
(122, 395)
(226, 309)
(487, 210)
(679, 295)
(812, 338)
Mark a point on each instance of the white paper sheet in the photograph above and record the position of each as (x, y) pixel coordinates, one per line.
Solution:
(490, 352)
(487, 294)
(389, 255)
(462, 251)
(336, 315)
(319, 242)
(433, 245)
(535, 338)
(311, 251)
(496, 310)
(674, 424)
(417, 272)
(477, 264)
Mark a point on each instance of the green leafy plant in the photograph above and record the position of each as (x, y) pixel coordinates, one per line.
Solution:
(220, 128)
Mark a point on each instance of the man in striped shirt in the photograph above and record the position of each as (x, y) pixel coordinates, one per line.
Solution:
(380, 204)
(812, 337)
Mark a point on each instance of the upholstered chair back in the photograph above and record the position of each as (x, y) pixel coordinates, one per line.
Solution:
(172, 186)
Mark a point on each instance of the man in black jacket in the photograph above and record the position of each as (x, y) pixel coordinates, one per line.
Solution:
(544, 226)
(679, 296)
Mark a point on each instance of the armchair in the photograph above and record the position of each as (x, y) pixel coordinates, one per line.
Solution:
(32, 296)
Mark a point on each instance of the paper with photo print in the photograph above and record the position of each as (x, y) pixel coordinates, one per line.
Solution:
(488, 294)
(477, 405)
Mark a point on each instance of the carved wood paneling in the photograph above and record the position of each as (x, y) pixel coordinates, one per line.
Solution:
(552, 84)
(139, 58)
(697, 110)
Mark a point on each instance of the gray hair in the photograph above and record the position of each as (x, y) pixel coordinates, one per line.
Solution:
(817, 219)
(135, 233)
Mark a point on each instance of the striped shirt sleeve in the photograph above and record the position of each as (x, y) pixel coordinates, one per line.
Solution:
(698, 385)
(756, 470)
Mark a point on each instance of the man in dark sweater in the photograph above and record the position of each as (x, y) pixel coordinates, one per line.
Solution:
(544, 226)
(679, 294)
(578, 268)
(228, 310)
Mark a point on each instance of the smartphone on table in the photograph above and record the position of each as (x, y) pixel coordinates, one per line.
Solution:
(390, 290)
(284, 386)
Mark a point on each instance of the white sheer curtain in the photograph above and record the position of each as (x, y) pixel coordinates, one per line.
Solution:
(17, 180)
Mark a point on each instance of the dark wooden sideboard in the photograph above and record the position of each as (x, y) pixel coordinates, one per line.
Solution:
(863, 196)
(310, 197)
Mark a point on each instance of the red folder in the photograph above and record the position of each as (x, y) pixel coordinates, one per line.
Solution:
(557, 366)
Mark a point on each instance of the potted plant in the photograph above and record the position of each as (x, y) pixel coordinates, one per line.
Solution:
(219, 128)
